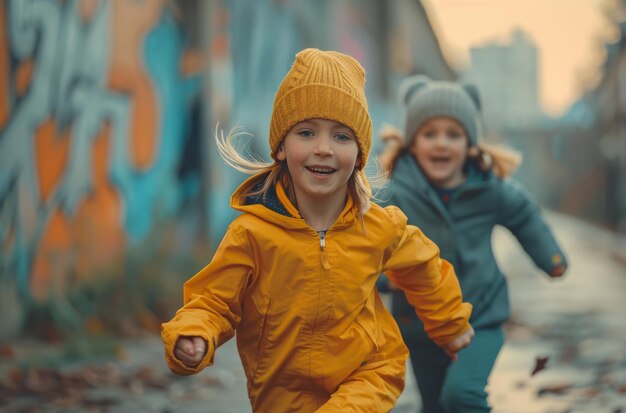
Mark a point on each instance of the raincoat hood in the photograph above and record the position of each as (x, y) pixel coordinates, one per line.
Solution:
(275, 206)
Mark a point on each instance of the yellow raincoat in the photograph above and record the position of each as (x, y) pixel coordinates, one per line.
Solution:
(312, 332)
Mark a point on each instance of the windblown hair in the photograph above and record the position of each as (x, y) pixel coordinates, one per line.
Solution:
(271, 173)
(502, 160)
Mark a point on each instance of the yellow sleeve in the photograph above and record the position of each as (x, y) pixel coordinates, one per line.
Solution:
(428, 281)
(212, 302)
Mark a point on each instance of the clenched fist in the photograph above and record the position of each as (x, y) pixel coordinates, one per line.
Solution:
(190, 350)
(459, 343)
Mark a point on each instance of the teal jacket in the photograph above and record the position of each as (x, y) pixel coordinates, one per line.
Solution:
(463, 233)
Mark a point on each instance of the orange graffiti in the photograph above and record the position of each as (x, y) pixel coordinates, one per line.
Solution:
(51, 152)
(98, 228)
(131, 21)
(73, 248)
(23, 76)
(4, 67)
(54, 259)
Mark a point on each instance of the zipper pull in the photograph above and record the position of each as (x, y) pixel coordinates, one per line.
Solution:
(323, 255)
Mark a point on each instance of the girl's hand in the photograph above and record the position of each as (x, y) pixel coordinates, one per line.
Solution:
(459, 343)
(190, 350)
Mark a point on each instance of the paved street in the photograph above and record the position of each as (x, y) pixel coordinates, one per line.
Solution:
(577, 323)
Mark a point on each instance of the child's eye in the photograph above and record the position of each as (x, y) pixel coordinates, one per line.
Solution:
(455, 134)
(343, 137)
(305, 133)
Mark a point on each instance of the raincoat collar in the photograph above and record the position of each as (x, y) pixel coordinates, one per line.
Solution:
(276, 207)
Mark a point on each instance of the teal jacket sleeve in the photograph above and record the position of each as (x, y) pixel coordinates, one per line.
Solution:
(523, 217)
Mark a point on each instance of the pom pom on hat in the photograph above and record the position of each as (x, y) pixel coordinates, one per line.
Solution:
(410, 86)
(327, 85)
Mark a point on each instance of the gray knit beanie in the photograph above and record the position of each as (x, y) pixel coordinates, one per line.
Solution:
(425, 99)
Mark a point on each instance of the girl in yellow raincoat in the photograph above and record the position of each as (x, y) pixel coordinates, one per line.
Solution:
(295, 274)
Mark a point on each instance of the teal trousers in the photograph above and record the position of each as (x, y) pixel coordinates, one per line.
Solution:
(455, 387)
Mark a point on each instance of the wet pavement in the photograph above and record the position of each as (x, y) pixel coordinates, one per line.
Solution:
(576, 325)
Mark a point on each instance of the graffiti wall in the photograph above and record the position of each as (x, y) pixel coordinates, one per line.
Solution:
(94, 115)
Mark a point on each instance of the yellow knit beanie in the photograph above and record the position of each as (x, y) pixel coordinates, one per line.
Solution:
(327, 85)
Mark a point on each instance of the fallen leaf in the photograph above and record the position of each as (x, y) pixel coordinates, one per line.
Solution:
(540, 364)
(7, 351)
(556, 389)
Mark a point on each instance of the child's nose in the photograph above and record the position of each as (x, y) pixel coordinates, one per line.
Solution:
(441, 140)
(324, 145)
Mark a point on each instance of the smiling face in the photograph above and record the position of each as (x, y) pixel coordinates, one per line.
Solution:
(321, 156)
(440, 148)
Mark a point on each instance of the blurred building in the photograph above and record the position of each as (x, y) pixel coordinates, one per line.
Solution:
(507, 76)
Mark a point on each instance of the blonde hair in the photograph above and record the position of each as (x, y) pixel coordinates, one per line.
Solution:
(271, 173)
(502, 160)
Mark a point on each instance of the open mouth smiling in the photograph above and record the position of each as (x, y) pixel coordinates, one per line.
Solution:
(321, 170)
(440, 159)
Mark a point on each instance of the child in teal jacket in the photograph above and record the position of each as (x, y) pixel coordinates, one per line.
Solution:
(454, 189)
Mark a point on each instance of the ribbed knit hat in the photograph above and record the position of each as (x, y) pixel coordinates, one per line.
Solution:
(426, 99)
(327, 85)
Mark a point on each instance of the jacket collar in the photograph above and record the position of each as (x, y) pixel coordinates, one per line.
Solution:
(409, 178)
(276, 207)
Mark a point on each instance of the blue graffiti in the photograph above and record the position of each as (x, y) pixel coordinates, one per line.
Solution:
(158, 186)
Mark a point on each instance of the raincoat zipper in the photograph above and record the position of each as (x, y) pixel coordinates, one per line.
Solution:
(322, 240)
(324, 256)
